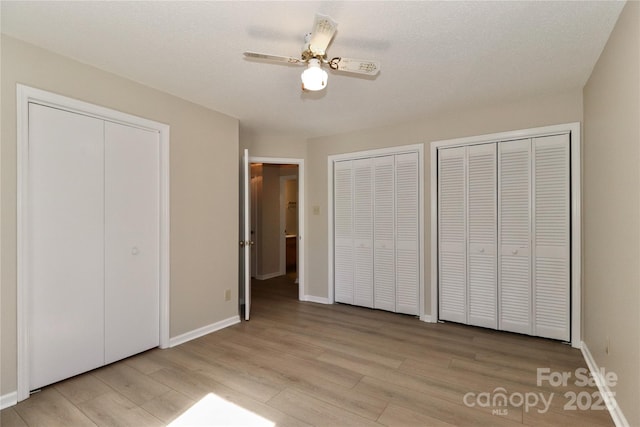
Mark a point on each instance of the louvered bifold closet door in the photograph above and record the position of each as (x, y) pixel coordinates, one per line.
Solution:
(363, 232)
(452, 238)
(551, 303)
(343, 226)
(384, 235)
(482, 236)
(514, 236)
(407, 233)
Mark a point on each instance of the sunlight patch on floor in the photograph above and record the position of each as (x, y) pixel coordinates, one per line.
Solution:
(213, 410)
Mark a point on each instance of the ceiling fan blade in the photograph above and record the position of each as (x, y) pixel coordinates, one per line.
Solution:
(276, 58)
(360, 66)
(323, 30)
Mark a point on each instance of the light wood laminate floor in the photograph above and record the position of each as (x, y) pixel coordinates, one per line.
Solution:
(304, 364)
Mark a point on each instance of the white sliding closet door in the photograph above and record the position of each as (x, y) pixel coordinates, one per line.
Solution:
(384, 270)
(343, 232)
(132, 246)
(452, 240)
(363, 232)
(65, 244)
(514, 231)
(482, 236)
(551, 259)
(407, 233)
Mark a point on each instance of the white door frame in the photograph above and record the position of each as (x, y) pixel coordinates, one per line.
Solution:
(331, 159)
(26, 95)
(301, 242)
(576, 211)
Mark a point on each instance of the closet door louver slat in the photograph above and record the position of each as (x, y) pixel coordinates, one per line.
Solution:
(452, 235)
(551, 237)
(481, 229)
(514, 289)
(343, 226)
(384, 244)
(363, 232)
(407, 263)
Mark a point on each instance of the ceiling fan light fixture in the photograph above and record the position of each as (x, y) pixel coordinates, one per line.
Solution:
(314, 77)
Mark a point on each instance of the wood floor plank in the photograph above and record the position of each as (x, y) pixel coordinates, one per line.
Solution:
(169, 406)
(144, 362)
(10, 418)
(432, 405)
(396, 415)
(132, 384)
(49, 408)
(113, 409)
(319, 413)
(378, 355)
(196, 386)
(82, 388)
(360, 404)
(297, 369)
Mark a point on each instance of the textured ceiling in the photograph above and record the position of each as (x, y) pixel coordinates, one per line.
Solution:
(435, 56)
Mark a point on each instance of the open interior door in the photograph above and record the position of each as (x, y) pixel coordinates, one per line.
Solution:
(245, 235)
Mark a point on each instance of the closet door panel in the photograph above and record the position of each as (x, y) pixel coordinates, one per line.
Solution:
(132, 246)
(514, 231)
(65, 243)
(363, 232)
(343, 232)
(384, 234)
(482, 236)
(407, 233)
(551, 285)
(452, 271)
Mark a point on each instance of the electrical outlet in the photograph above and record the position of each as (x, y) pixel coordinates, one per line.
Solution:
(316, 210)
(227, 295)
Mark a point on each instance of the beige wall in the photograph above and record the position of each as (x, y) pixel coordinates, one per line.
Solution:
(542, 111)
(204, 187)
(611, 214)
(270, 144)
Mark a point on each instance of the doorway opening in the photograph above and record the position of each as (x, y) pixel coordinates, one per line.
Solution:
(274, 220)
(275, 225)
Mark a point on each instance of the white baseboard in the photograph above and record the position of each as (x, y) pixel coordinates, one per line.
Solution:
(319, 300)
(427, 318)
(615, 411)
(269, 275)
(197, 333)
(8, 399)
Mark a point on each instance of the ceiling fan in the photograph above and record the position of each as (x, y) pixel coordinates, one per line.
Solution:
(314, 55)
